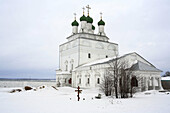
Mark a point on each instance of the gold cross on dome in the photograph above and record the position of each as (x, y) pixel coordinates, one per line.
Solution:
(83, 10)
(101, 15)
(75, 16)
(88, 7)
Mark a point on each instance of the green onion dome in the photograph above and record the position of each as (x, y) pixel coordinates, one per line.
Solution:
(101, 22)
(75, 23)
(83, 18)
(93, 27)
(89, 19)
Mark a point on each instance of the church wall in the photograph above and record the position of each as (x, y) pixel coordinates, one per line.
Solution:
(96, 49)
(148, 80)
(93, 73)
(69, 55)
(77, 49)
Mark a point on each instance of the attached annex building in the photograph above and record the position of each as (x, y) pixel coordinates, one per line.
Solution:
(84, 58)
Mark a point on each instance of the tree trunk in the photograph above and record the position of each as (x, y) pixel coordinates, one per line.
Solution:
(131, 92)
(116, 93)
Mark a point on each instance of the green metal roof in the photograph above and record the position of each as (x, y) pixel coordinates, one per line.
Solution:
(75, 23)
(101, 22)
(89, 19)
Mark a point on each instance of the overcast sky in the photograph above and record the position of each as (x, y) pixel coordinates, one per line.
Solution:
(32, 30)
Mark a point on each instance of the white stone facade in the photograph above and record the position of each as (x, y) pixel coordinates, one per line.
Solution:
(83, 48)
(92, 74)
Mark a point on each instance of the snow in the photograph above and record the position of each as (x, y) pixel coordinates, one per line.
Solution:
(165, 78)
(64, 100)
(98, 61)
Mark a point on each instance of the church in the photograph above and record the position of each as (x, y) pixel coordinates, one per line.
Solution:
(84, 58)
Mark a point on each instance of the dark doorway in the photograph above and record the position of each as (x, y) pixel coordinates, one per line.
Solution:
(69, 81)
(134, 82)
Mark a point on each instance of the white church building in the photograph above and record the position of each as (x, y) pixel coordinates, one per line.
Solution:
(84, 58)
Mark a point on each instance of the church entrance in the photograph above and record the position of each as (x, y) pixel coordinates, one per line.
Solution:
(69, 81)
(134, 82)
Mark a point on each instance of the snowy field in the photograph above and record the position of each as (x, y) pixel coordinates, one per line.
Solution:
(63, 100)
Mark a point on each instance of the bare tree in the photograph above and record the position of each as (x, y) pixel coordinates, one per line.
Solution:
(117, 78)
(125, 80)
(166, 74)
(114, 74)
(111, 77)
(107, 84)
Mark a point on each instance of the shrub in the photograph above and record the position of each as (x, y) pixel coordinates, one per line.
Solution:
(27, 88)
(15, 90)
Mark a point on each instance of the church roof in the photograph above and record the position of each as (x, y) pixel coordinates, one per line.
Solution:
(101, 61)
(140, 66)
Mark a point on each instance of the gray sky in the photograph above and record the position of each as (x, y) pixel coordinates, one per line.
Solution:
(32, 30)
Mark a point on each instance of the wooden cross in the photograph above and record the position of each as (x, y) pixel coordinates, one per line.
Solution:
(88, 7)
(78, 91)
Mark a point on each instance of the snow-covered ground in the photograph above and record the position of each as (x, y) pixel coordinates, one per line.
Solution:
(64, 100)
(19, 83)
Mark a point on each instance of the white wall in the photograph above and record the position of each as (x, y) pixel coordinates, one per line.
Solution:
(69, 53)
(77, 50)
(97, 50)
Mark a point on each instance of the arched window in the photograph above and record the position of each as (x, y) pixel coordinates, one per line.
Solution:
(106, 56)
(89, 55)
(71, 66)
(98, 80)
(66, 64)
(66, 67)
(79, 80)
(88, 80)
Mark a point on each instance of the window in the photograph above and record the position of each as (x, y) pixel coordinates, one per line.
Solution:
(106, 56)
(66, 64)
(98, 80)
(71, 66)
(65, 80)
(89, 55)
(79, 80)
(66, 67)
(88, 80)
